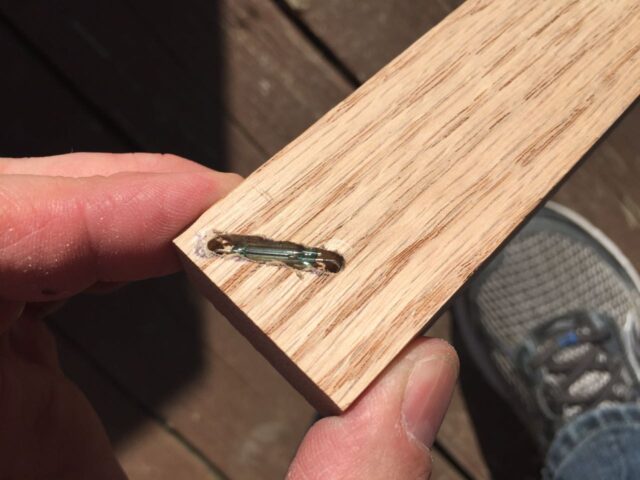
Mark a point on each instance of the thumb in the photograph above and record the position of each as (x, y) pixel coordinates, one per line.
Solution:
(387, 433)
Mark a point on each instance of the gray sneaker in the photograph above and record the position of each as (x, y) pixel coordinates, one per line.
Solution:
(552, 321)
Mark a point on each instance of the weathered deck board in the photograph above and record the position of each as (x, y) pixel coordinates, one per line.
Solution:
(194, 372)
(442, 468)
(166, 81)
(139, 79)
(150, 452)
(366, 35)
(605, 189)
(30, 129)
(276, 84)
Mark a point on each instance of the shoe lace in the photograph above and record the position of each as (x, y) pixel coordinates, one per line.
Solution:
(567, 358)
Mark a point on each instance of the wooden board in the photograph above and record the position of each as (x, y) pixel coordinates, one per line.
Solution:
(27, 128)
(364, 36)
(183, 361)
(441, 468)
(416, 179)
(199, 79)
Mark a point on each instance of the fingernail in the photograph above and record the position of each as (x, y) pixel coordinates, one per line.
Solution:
(427, 396)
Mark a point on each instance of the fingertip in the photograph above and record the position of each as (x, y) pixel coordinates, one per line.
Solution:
(399, 413)
(428, 392)
(430, 347)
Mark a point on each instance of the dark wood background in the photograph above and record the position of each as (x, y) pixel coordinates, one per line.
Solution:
(228, 83)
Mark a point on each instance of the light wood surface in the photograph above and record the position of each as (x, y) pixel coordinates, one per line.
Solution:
(364, 36)
(416, 179)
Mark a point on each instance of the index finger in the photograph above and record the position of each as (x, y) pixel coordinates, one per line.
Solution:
(89, 164)
(61, 235)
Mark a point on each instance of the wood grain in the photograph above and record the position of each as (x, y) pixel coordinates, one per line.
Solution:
(416, 179)
(364, 36)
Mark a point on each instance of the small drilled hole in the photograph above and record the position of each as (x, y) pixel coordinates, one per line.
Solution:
(263, 250)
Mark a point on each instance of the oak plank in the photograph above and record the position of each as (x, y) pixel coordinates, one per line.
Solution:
(444, 123)
(364, 36)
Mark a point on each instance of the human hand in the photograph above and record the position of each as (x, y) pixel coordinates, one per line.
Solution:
(388, 432)
(70, 224)
(92, 221)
